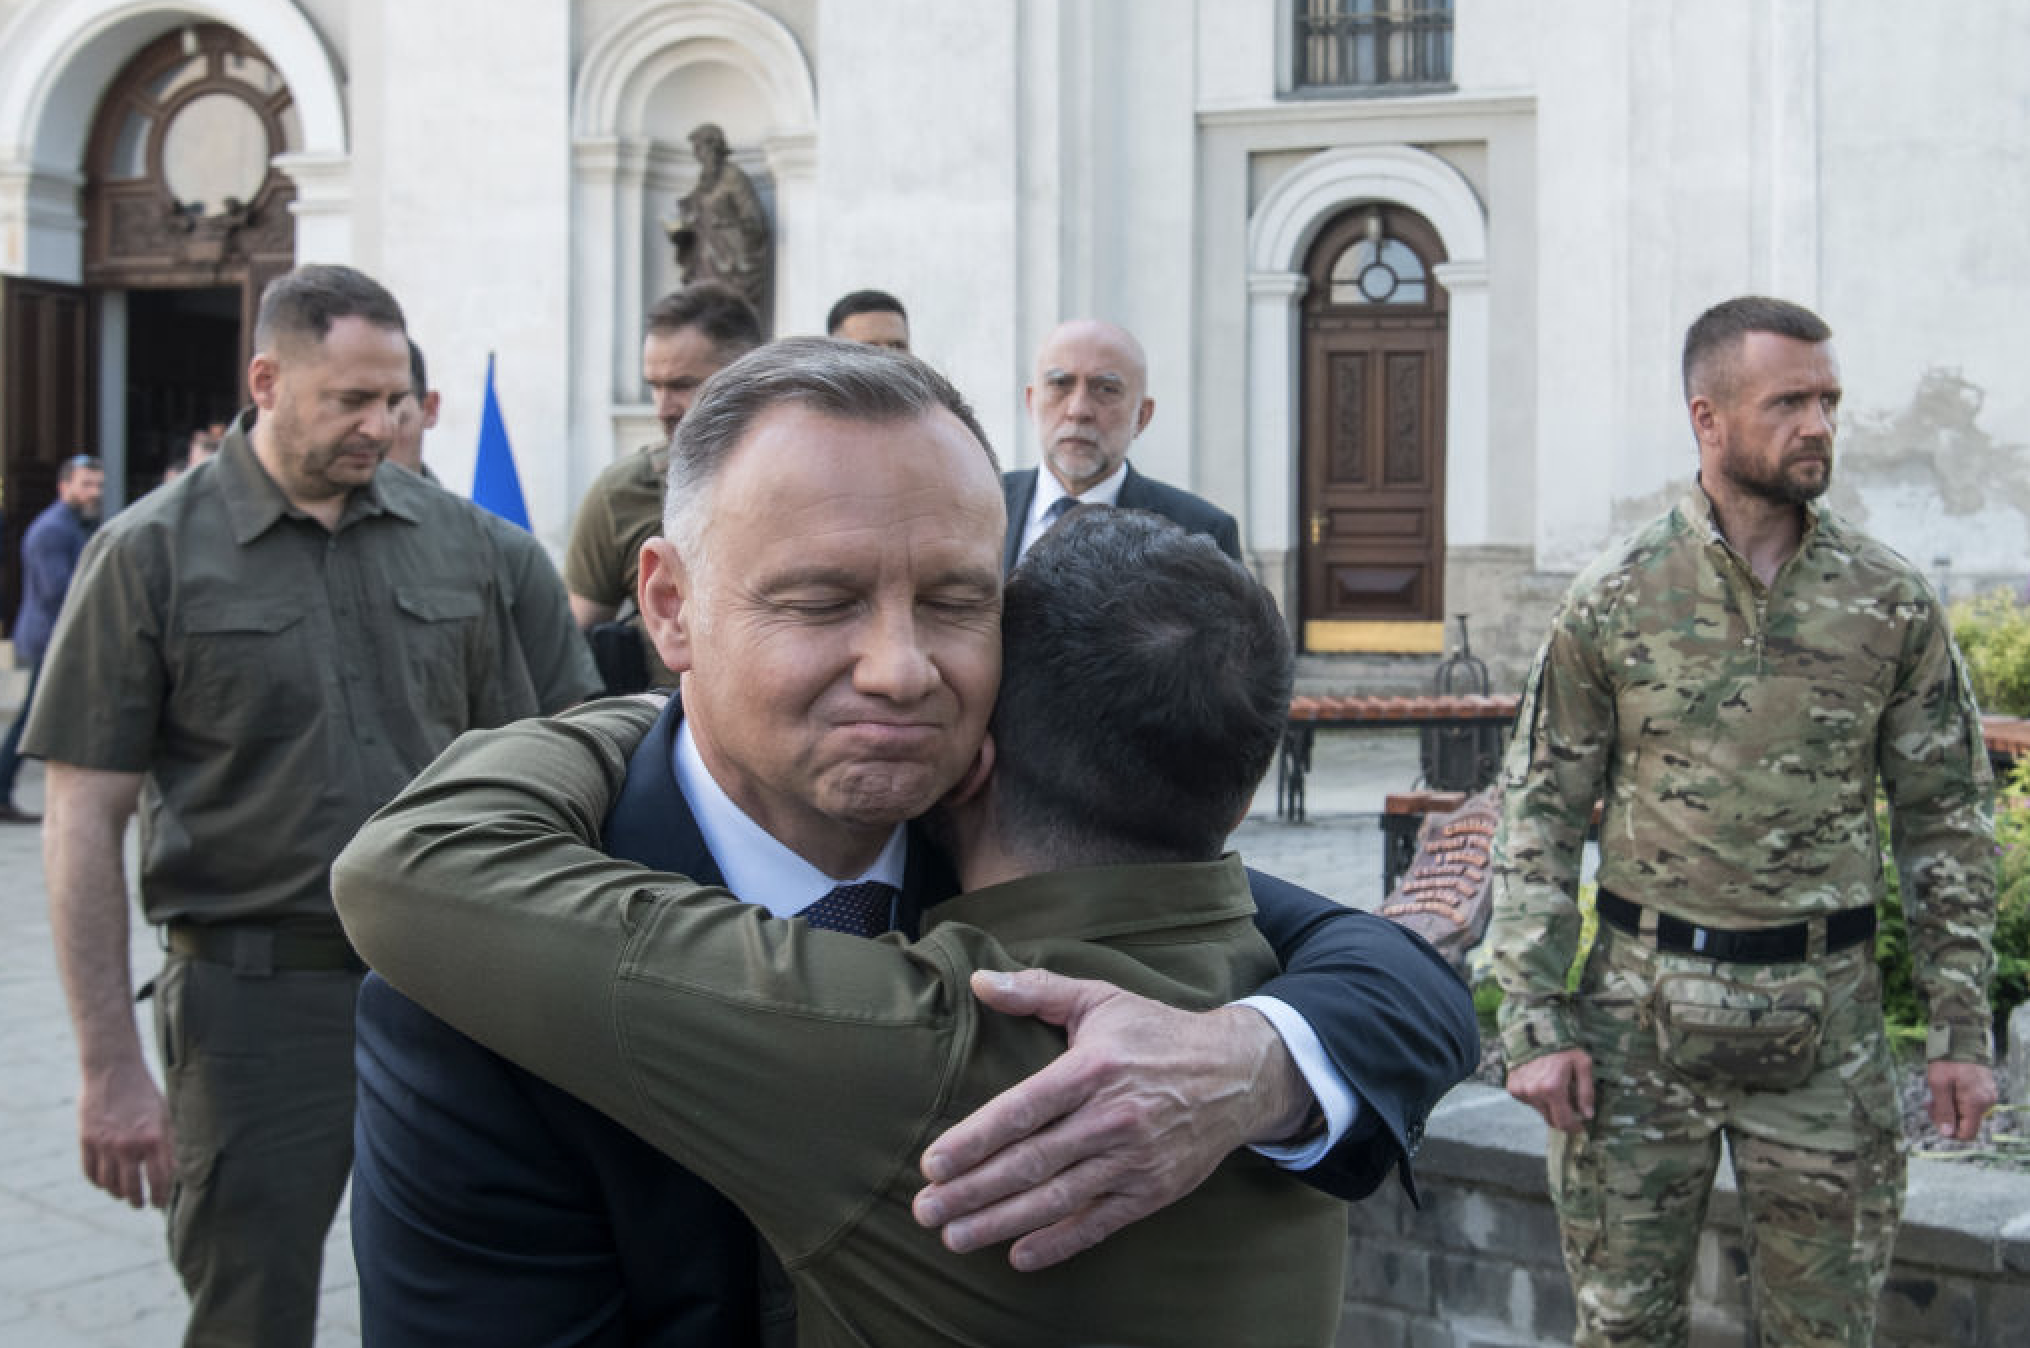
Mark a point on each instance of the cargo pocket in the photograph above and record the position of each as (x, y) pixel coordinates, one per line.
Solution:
(436, 628)
(1763, 1037)
(1573, 1172)
(245, 671)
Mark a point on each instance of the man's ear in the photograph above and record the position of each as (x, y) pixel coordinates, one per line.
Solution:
(663, 588)
(1706, 418)
(430, 403)
(968, 787)
(1143, 413)
(264, 379)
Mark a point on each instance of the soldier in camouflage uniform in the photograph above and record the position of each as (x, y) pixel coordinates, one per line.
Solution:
(1730, 682)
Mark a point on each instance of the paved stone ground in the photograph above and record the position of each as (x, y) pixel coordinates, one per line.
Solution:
(79, 1270)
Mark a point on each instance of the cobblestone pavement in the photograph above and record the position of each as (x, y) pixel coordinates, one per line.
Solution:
(80, 1270)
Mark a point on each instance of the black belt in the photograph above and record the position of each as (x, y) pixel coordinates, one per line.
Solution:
(260, 948)
(1761, 945)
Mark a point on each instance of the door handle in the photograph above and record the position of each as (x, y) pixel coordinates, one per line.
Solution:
(1317, 527)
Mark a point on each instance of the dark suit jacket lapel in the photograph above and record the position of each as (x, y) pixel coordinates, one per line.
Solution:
(1020, 489)
(927, 879)
(650, 822)
(1134, 492)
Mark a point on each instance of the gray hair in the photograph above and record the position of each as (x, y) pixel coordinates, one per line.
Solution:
(833, 378)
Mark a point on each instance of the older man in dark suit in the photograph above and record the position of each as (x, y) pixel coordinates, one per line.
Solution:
(1090, 399)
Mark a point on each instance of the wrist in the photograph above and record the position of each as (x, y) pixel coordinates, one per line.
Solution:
(1284, 1102)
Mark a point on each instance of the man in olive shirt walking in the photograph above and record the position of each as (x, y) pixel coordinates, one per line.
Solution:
(259, 655)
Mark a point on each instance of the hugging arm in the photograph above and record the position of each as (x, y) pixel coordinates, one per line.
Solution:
(1147, 1099)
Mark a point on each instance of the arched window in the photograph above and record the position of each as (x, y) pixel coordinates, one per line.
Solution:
(180, 169)
(1376, 269)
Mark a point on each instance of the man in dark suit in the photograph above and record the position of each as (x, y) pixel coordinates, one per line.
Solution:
(828, 585)
(1090, 399)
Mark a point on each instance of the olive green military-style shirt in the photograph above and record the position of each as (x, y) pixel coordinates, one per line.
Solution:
(275, 681)
(622, 510)
(559, 660)
(1735, 733)
(802, 1072)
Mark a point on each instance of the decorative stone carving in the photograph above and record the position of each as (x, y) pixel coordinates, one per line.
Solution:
(721, 232)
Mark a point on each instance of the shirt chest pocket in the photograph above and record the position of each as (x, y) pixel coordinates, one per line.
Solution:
(247, 670)
(439, 630)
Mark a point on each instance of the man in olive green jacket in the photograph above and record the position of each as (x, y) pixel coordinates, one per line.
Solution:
(801, 1071)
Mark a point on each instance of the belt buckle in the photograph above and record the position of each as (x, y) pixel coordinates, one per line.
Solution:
(1699, 935)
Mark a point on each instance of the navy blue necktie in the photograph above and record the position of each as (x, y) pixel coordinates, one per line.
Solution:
(864, 909)
(1056, 512)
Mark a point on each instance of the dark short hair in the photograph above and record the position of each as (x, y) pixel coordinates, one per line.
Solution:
(75, 464)
(419, 372)
(305, 302)
(863, 302)
(1715, 335)
(717, 310)
(848, 380)
(1145, 681)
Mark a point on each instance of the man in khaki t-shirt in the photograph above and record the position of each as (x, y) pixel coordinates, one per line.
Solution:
(693, 333)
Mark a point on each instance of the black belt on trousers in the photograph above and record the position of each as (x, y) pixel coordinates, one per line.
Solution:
(265, 947)
(1761, 945)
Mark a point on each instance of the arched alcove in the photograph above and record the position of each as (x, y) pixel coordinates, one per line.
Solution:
(1281, 232)
(56, 58)
(639, 90)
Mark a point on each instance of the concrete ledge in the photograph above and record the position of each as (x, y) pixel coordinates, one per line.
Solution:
(1479, 1265)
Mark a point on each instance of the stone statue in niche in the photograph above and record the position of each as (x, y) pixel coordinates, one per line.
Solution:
(721, 232)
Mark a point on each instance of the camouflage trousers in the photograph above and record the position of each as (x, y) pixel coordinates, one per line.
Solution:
(1819, 1166)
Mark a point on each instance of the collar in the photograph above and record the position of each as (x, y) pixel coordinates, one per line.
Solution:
(1697, 509)
(653, 470)
(254, 502)
(1104, 901)
(757, 866)
(1107, 491)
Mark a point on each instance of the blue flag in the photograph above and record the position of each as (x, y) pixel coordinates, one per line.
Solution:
(495, 484)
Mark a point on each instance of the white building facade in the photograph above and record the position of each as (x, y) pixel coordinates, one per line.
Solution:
(1412, 277)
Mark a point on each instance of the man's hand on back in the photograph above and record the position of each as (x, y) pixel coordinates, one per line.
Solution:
(1144, 1103)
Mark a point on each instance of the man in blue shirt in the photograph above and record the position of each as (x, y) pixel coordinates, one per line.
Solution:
(49, 554)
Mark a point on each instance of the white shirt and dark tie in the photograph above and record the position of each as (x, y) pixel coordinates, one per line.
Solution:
(1051, 500)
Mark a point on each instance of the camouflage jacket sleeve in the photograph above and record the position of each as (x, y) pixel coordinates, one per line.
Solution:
(1934, 770)
(1556, 767)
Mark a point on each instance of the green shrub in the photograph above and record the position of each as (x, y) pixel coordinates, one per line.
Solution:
(1993, 632)
(2010, 985)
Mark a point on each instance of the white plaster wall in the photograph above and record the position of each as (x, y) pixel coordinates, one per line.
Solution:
(1239, 45)
(1139, 229)
(919, 163)
(461, 190)
(1495, 43)
(1850, 156)
(1926, 184)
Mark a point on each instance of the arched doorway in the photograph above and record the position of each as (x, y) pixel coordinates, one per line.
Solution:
(1371, 445)
(187, 216)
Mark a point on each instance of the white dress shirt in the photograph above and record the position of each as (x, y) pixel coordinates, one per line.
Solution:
(759, 868)
(1107, 491)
